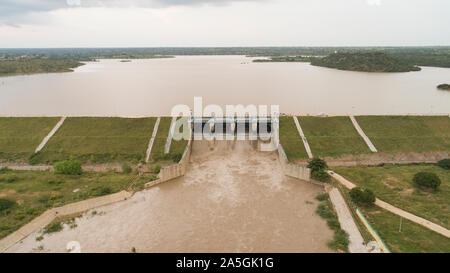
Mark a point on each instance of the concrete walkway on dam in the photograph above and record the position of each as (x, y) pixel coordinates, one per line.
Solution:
(232, 199)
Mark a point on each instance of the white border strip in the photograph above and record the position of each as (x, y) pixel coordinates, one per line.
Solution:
(152, 140)
(169, 137)
(302, 135)
(362, 134)
(52, 132)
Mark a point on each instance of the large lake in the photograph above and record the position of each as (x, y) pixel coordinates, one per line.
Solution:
(153, 87)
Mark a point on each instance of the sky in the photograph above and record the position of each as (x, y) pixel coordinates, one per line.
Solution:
(178, 23)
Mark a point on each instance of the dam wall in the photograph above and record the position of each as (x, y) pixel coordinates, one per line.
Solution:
(292, 170)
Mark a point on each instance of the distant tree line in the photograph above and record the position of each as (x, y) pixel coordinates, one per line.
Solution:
(368, 62)
(31, 66)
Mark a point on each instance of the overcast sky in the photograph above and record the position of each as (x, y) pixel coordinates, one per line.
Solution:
(154, 23)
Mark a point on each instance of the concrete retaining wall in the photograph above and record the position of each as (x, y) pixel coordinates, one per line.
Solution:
(64, 211)
(174, 171)
(293, 170)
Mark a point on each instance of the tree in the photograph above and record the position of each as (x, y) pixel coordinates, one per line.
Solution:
(444, 163)
(71, 167)
(365, 196)
(427, 180)
(6, 204)
(317, 164)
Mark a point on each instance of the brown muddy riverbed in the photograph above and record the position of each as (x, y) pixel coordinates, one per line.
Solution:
(233, 199)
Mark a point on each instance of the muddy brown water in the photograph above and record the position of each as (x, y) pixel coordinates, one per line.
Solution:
(232, 199)
(152, 87)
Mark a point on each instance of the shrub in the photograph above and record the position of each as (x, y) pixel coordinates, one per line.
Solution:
(53, 227)
(6, 204)
(100, 191)
(444, 163)
(428, 180)
(317, 164)
(4, 170)
(9, 178)
(321, 175)
(177, 157)
(340, 240)
(157, 169)
(71, 167)
(359, 195)
(126, 168)
(322, 197)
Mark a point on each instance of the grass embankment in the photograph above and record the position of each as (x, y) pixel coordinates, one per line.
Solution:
(332, 136)
(19, 137)
(412, 238)
(394, 185)
(97, 140)
(290, 140)
(393, 134)
(34, 192)
(176, 147)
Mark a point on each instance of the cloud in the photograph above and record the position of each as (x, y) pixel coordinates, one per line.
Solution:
(10, 8)
(13, 12)
(374, 2)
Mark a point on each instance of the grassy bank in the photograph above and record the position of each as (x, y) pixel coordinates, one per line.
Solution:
(99, 140)
(394, 185)
(33, 192)
(412, 238)
(332, 136)
(291, 140)
(407, 133)
(19, 137)
(176, 147)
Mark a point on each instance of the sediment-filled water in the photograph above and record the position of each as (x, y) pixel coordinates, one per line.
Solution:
(152, 87)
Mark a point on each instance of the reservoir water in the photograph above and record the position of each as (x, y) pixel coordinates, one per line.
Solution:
(152, 87)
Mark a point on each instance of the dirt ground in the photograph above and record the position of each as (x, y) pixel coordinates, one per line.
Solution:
(232, 199)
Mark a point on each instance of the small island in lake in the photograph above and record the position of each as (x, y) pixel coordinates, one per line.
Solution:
(444, 86)
(365, 62)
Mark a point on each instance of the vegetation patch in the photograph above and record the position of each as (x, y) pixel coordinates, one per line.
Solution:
(366, 62)
(19, 137)
(404, 236)
(319, 170)
(53, 227)
(36, 65)
(362, 196)
(325, 210)
(98, 140)
(394, 184)
(427, 180)
(34, 192)
(444, 164)
(419, 134)
(290, 140)
(71, 166)
(445, 87)
(332, 136)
